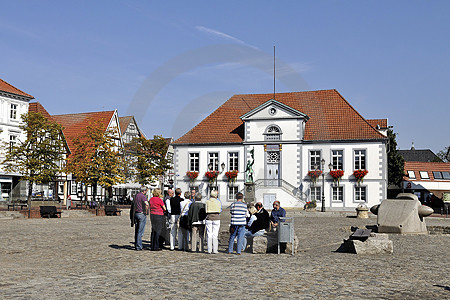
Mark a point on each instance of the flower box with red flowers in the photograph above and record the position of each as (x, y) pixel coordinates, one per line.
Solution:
(336, 173)
(314, 173)
(192, 175)
(231, 174)
(212, 174)
(359, 174)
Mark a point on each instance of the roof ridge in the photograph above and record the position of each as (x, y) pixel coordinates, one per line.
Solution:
(23, 93)
(364, 119)
(92, 112)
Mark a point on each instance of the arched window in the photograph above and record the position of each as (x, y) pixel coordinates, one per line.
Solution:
(273, 133)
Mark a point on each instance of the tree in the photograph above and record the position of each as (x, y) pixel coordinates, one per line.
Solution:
(149, 157)
(396, 162)
(38, 158)
(443, 154)
(96, 159)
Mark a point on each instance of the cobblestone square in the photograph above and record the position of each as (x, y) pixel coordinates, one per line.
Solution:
(93, 258)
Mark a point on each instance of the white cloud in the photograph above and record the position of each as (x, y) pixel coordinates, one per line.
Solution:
(223, 35)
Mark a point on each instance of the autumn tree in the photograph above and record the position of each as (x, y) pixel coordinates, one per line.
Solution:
(39, 157)
(148, 158)
(96, 158)
(396, 162)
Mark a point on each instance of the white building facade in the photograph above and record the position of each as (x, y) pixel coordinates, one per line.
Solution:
(13, 104)
(289, 136)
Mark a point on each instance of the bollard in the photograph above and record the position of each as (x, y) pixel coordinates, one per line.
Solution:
(362, 212)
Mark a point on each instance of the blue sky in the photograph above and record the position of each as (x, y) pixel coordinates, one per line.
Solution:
(171, 63)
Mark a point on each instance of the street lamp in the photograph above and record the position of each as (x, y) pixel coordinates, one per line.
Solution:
(210, 167)
(323, 184)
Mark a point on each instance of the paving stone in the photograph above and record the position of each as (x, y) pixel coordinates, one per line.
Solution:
(93, 258)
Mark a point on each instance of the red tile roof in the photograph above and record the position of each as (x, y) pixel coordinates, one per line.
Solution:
(331, 118)
(37, 107)
(381, 122)
(6, 87)
(429, 167)
(74, 124)
(124, 122)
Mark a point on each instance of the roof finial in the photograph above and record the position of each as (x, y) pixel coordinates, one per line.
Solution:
(412, 146)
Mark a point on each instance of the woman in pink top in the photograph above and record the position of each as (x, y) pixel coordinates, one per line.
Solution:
(157, 209)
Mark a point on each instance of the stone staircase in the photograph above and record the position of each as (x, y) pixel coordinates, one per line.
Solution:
(10, 215)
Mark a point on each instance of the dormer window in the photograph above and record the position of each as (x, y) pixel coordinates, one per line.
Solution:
(273, 133)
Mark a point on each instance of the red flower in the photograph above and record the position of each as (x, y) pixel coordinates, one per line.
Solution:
(192, 175)
(336, 174)
(315, 173)
(359, 174)
(232, 174)
(212, 174)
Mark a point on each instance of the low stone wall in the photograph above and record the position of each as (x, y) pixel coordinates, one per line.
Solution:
(438, 229)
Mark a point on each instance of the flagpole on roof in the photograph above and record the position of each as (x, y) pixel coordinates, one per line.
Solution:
(274, 72)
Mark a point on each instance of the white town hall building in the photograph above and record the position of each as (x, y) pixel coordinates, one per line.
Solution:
(291, 135)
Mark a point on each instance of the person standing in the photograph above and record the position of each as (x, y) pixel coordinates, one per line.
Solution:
(157, 209)
(139, 211)
(239, 213)
(174, 215)
(183, 222)
(196, 217)
(213, 209)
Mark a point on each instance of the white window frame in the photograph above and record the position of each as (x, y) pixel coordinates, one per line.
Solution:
(231, 197)
(358, 192)
(213, 157)
(272, 133)
(337, 159)
(424, 175)
(12, 140)
(194, 157)
(317, 192)
(411, 175)
(73, 187)
(13, 111)
(316, 157)
(360, 154)
(233, 161)
(337, 194)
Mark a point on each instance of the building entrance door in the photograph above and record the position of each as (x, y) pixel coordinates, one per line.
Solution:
(269, 199)
(273, 168)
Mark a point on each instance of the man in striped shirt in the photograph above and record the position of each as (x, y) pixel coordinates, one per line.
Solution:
(237, 225)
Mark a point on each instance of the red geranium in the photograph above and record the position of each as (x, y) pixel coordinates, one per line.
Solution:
(192, 175)
(337, 174)
(212, 174)
(231, 174)
(314, 173)
(359, 175)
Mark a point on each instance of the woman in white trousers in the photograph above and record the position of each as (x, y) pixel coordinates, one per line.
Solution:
(213, 209)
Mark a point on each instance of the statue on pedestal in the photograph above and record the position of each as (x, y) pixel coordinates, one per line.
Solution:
(249, 167)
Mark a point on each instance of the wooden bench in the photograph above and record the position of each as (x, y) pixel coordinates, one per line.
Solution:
(112, 210)
(49, 212)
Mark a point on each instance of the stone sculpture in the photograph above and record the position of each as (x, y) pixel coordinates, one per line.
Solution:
(405, 214)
